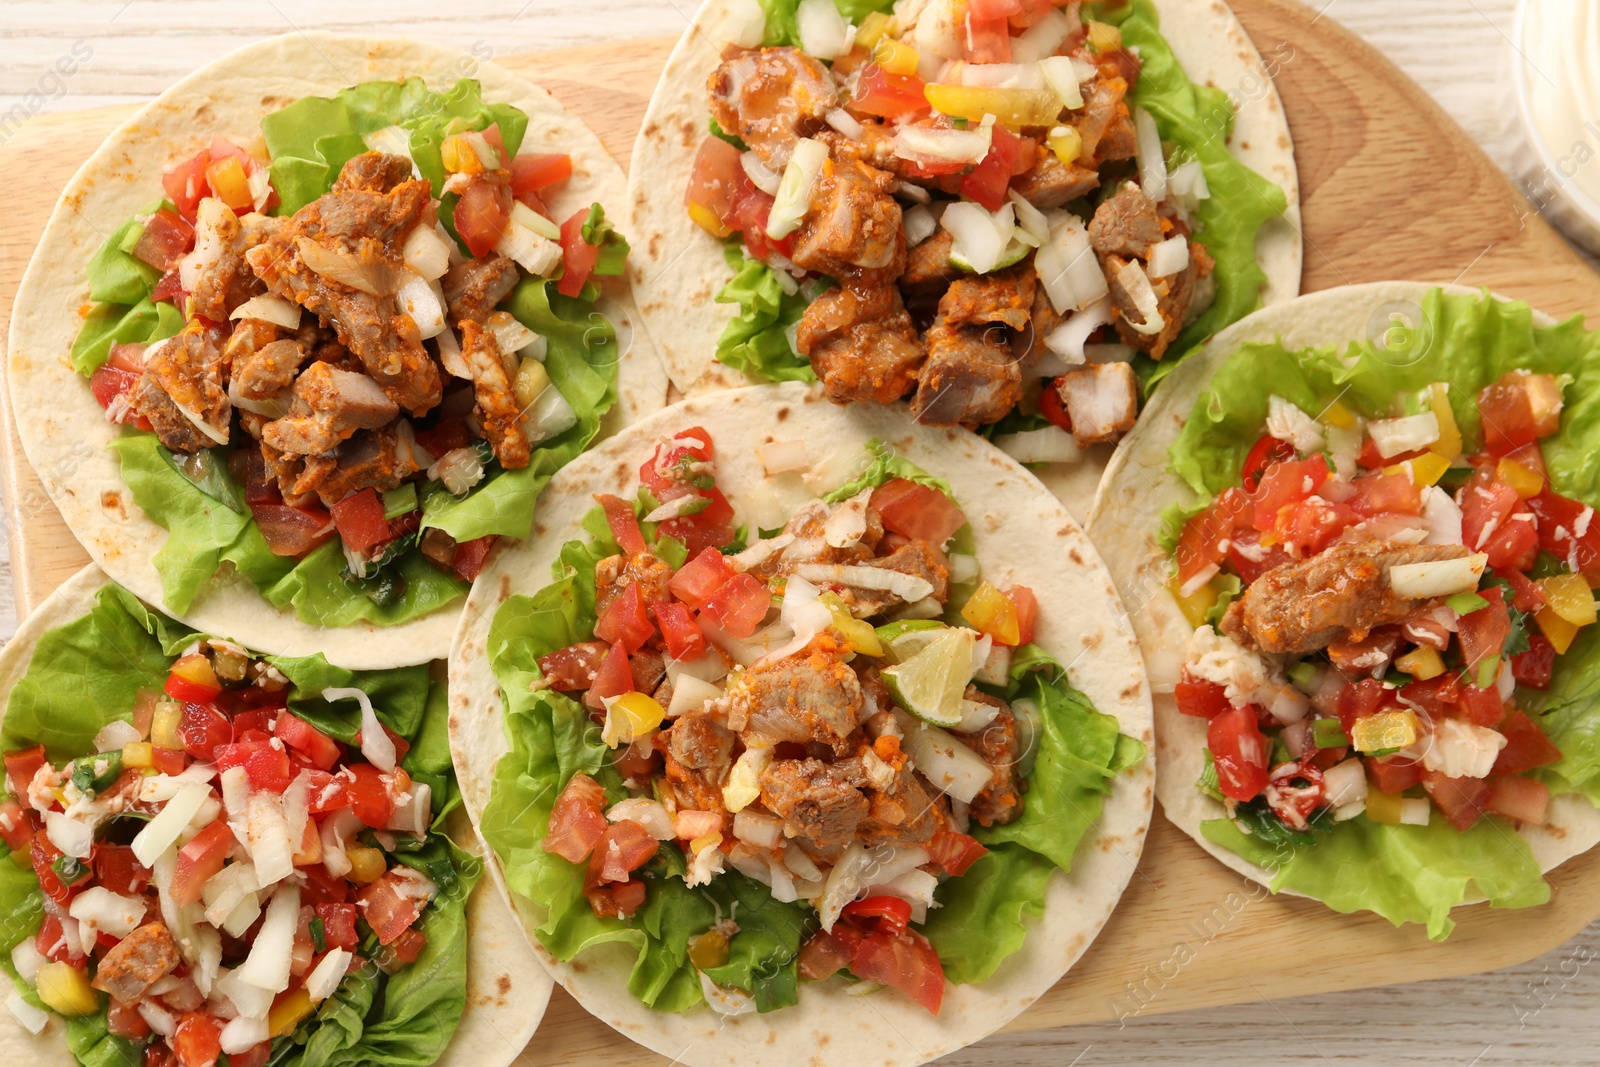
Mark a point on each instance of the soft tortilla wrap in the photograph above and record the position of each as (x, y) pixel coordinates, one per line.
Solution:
(677, 268)
(506, 991)
(1081, 622)
(65, 434)
(1126, 523)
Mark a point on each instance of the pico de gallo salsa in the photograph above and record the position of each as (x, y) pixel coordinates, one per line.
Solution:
(342, 361)
(219, 868)
(1374, 603)
(822, 724)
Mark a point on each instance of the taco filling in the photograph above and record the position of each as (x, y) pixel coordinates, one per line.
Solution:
(812, 749)
(204, 875)
(966, 205)
(344, 331)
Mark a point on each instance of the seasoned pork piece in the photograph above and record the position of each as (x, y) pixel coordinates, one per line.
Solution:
(137, 962)
(1342, 593)
(373, 172)
(1106, 125)
(928, 271)
(614, 574)
(1174, 294)
(821, 803)
(269, 370)
(182, 392)
(875, 146)
(971, 376)
(770, 98)
(497, 408)
(1029, 345)
(1051, 183)
(905, 814)
(807, 530)
(812, 695)
(1000, 745)
(1126, 225)
(371, 459)
(329, 405)
(916, 558)
(222, 278)
(854, 228)
(700, 741)
(691, 789)
(648, 668)
(1101, 400)
(356, 236)
(861, 343)
(473, 287)
(1003, 297)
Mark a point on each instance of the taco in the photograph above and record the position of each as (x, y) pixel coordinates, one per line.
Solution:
(313, 329)
(783, 730)
(1358, 556)
(914, 202)
(219, 853)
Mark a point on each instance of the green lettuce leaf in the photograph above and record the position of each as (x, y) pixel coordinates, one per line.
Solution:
(1467, 341)
(756, 341)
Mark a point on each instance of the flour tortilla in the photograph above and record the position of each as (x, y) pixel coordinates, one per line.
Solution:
(677, 268)
(506, 990)
(1126, 523)
(65, 434)
(1023, 536)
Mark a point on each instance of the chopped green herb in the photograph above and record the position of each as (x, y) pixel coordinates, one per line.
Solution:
(319, 934)
(70, 869)
(1207, 782)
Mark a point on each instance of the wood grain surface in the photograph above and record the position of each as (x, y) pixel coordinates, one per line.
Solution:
(1391, 189)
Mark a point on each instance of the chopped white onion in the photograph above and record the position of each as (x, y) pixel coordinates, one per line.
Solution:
(268, 308)
(211, 217)
(161, 832)
(450, 354)
(32, 1019)
(27, 959)
(845, 123)
(1152, 159)
(1015, 75)
(979, 238)
(931, 144)
(271, 848)
(1062, 77)
(1068, 339)
(948, 764)
(114, 734)
(1187, 182)
(267, 966)
(908, 587)
(824, 32)
(1047, 444)
(391, 140)
(1287, 422)
(1459, 749)
(371, 276)
(1067, 267)
(742, 22)
(1136, 283)
(1408, 433)
(861, 867)
(426, 253)
(1346, 783)
(1029, 218)
(549, 414)
(919, 224)
(510, 336)
(1445, 577)
(376, 745)
(690, 693)
(535, 253)
(242, 1034)
(1042, 40)
(1414, 811)
(793, 198)
(762, 176)
(324, 979)
(1169, 257)
(418, 298)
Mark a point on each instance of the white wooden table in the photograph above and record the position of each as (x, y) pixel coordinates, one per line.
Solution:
(1546, 1011)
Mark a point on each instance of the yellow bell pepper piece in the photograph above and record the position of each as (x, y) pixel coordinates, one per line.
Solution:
(991, 612)
(1449, 443)
(196, 669)
(1197, 605)
(700, 844)
(1010, 107)
(1422, 663)
(229, 183)
(709, 949)
(629, 717)
(1066, 142)
(1424, 470)
(1338, 415)
(164, 725)
(862, 637)
(138, 754)
(1104, 37)
(1387, 729)
(707, 220)
(288, 1011)
(1557, 630)
(873, 28)
(894, 56)
(460, 156)
(366, 864)
(1524, 479)
(1383, 807)
(1570, 597)
(65, 990)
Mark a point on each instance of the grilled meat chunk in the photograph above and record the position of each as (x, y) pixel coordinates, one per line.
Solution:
(810, 696)
(358, 235)
(770, 98)
(928, 271)
(473, 287)
(329, 405)
(265, 372)
(1106, 125)
(497, 408)
(861, 343)
(1003, 297)
(807, 533)
(373, 172)
(222, 278)
(1342, 593)
(1102, 401)
(137, 962)
(182, 393)
(371, 459)
(1051, 183)
(819, 802)
(854, 229)
(1000, 745)
(1126, 225)
(699, 740)
(970, 376)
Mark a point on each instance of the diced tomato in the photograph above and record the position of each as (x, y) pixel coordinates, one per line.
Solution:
(198, 860)
(1204, 542)
(1482, 707)
(680, 630)
(165, 240)
(904, 960)
(1313, 524)
(623, 522)
(1518, 409)
(389, 907)
(985, 41)
(1393, 493)
(917, 511)
(1560, 518)
(1240, 751)
(701, 577)
(124, 1021)
(403, 952)
(1052, 407)
(446, 435)
(292, 531)
(1287, 483)
(578, 255)
(1461, 800)
(623, 848)
(534, 171)
(360, 520)
(22, 765)
(1525, 596)
(338, 925)
(1534, 667)
(322, 887)
(664, 473)
(202, 728)
(15, 827)
(198, 1041)
(1514, 545)
(954, 852)
(1486, 505)
(887, 95)
(614, 678)
(616, 900)
(1249, 559)
(752, 210)
(265, 762)
(1359, 699)
(185, 183)
(710, 528)
(626, 621)
(44, 855)
(1393, 774)
(1370, 655)
(109, 384)
(825, 955)
(988, 181)
(170, 289)
(739, 605)
(1483, 632)
(370, 798)
(884, 914)
(482, 215)
(1522, 799)
(577, 821)
(1527, 746)
(51, 941)
(116, 868)
(468, 562)
(990, 10)
(1200, 698)
(573, 667)
(1027, 606)
(1265, 453)
(301, 736)
(713, 181)
(1437, 696)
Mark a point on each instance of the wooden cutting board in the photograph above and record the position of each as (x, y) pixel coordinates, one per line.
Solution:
(1391, 188)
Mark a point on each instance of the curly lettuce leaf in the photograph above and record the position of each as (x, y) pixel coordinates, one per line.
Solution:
(756, 341)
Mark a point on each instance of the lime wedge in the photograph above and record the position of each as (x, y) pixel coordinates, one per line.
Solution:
(904, 639)
(931, 682)
(1009, 258)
